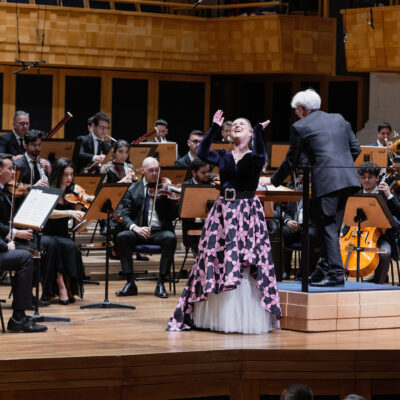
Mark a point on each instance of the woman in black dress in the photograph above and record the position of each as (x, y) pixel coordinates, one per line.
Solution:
(63, 268)
(119, 170)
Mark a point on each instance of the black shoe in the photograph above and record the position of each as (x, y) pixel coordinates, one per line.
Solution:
(141, 258)
(71, 300)
(317, 276)
(160, 291)
(63, 302)
(327, 282)
(26, 325)
(130, 289)
(42, 303)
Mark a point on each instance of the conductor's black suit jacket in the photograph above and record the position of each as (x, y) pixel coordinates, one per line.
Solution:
(331, 147)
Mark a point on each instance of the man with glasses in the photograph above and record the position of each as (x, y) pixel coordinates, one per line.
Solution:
(143, 226)
(92, 147)
(13, 141)
(195, 138)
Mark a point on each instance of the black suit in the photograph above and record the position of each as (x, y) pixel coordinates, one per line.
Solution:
(183, 162)
(26, 176)
(331, 147)
(20, 261)
(9, 144)
(131, 210)
(86, 150)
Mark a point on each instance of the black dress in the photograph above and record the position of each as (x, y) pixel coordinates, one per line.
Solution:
(61, 256)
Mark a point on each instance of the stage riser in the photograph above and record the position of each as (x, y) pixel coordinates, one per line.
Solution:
(321, 312)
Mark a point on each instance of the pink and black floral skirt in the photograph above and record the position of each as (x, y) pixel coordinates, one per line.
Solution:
(235, 236)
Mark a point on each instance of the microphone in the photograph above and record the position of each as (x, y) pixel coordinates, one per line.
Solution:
(196, 3)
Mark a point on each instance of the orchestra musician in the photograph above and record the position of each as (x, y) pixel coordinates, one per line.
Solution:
(331, 147)
(232, 285)
(141, 226)
(63, 267)
(13, 141)
(383, 135)
(369, 179)
(192, 142)
(226, 131)
(161, 131)
(92, 147)
(20, 261)
(35, 170)
(119, 170)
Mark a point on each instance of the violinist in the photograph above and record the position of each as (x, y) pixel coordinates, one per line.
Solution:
(63, 267)
(119, 170)
(142, 226)
(369, 179)
(35, 170)
(92, 147)
(13, 141)
(20, 261)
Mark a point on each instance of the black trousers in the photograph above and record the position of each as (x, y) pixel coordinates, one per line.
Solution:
(20, 261)
(382, 269)
(127, 240)
(329, 216)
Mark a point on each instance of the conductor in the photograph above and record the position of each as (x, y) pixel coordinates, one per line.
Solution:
(331, 147)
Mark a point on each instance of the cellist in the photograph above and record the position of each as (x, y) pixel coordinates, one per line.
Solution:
(369, 179)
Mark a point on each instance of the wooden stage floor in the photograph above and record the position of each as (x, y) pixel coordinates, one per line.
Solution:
(127, 354)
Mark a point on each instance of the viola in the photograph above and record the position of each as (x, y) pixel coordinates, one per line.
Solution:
(166, 190)
(76, 195)
(368, 260)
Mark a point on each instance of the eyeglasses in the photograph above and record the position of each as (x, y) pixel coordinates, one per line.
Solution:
(103, 128)
(152, 170)
(22, 123)
(195, 141)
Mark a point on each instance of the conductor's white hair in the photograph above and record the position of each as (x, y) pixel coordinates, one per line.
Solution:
(309, 99)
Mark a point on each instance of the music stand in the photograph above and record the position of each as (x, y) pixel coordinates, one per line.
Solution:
(103, 207)
(375, 154)
(54, 149)
(176, 174)
(278, 154)
(90, 182)
(196, 200)
(33, 214)
(165, 152)
(367, 210)
(138, 152)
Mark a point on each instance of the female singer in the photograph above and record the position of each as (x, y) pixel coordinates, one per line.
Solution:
(63, 270)
(234, 269)
(118, 170)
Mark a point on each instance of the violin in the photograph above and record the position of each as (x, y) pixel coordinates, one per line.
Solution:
(368, 260)
(166, 189)
(18, 189)
(76, 195)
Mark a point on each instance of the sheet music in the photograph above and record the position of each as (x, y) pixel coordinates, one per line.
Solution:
(35, 209)
(272, 188)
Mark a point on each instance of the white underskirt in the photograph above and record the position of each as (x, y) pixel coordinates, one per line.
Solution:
(237, 310)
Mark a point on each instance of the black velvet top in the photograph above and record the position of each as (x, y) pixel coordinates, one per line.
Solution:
(244, 175)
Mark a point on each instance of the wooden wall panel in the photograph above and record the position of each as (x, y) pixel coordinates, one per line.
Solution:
(370, 50)
(169, 43)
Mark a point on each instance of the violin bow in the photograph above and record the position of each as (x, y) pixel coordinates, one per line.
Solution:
(12, 205)
(155, 198)
(295, 188)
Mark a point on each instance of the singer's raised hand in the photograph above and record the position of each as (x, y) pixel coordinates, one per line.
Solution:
(219, 117)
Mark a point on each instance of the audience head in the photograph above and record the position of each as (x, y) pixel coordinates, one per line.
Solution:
(306, 101)
(33, 142)
(161, 127)
(62, 173)
(384, 133)
(354, 397)
(21, 123)
(195, 138)
(226, 131)
(6, 168)
(297, 391)
(150, 169)
(100, 125)
(200, 171)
